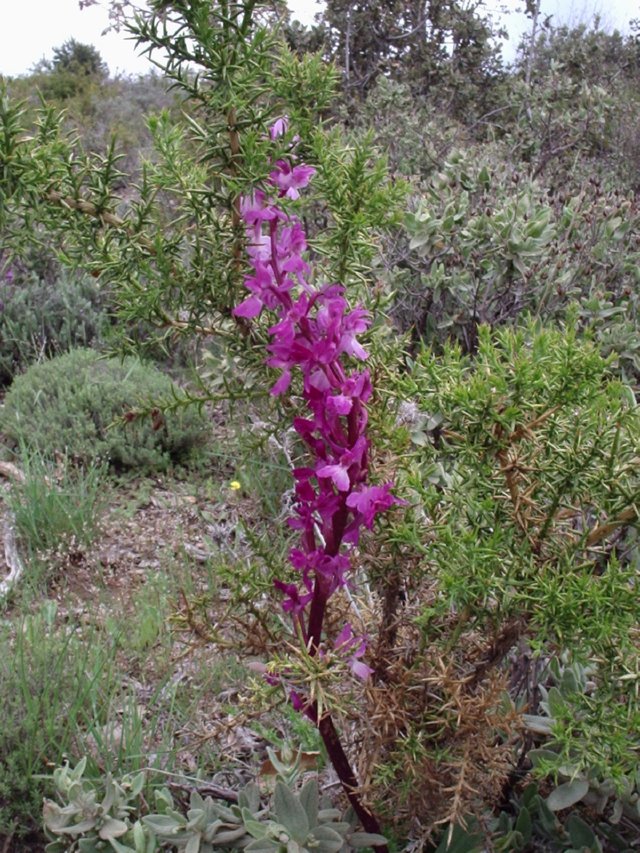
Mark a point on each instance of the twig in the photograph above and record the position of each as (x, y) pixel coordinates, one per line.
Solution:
(82, 205)
(215, 791)
(7, 841)
(11, 472)
(603, 530)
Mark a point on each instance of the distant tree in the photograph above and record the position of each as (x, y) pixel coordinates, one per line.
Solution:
(444, 44)
(73, 57)
(302, 39)
(71, 72)
(587, 51)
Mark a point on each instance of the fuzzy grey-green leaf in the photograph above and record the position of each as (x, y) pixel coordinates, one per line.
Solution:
(290, 812)
(567, 795)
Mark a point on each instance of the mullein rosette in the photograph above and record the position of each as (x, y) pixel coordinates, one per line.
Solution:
(316, 332)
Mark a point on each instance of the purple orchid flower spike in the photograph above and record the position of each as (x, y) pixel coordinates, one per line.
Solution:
(315, 335)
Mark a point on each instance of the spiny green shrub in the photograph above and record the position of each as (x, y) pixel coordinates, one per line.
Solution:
(521, 463)
(68, 405)
(39, 317)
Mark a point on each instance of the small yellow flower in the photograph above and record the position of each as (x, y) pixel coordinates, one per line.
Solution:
(235, 485)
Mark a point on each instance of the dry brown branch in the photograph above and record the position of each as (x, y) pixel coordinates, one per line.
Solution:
(81, 205)
(500, 647)
(601, 531)
(215, 791)
(526, 430)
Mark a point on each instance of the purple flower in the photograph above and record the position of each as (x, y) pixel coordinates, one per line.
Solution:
(368, 501)
(289, 179)
(338, 471)
(317, 563)
(279, 127)
(295, 602)
(347, 644)
(339, 404)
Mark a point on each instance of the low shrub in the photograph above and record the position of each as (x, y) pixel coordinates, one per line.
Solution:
(41, 318)
(70, 405)
(102, 811)
(488, 243)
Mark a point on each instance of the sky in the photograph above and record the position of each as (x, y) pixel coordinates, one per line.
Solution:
(30, 29)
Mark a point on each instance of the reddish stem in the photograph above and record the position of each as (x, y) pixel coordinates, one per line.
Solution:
(316, 615)
(343, 768)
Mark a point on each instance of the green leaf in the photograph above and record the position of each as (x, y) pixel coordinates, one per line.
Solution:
(547, 818)
(139, 837)
(262, 845)
(567, 795)
(112, 828)
(254, 827)
(290, 812)
(89, 845)
(461, 840)
(309, 800)
(524, 825)
(79, 828)
(419, 438)
(543, 756)
(537, 724)
(53, 817)
(137, 784)
(229, 835)
(557, 704)
(530, 792)
(161, 824)
(326, 815)
(78, 771)
(582, 835)
(193, 845)
(249, 798)
(120, 848)
(163, 798)
(330, 840)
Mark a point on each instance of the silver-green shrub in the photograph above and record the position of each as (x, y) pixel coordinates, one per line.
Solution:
(73, 405)
(40, 316)
(105, 814)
